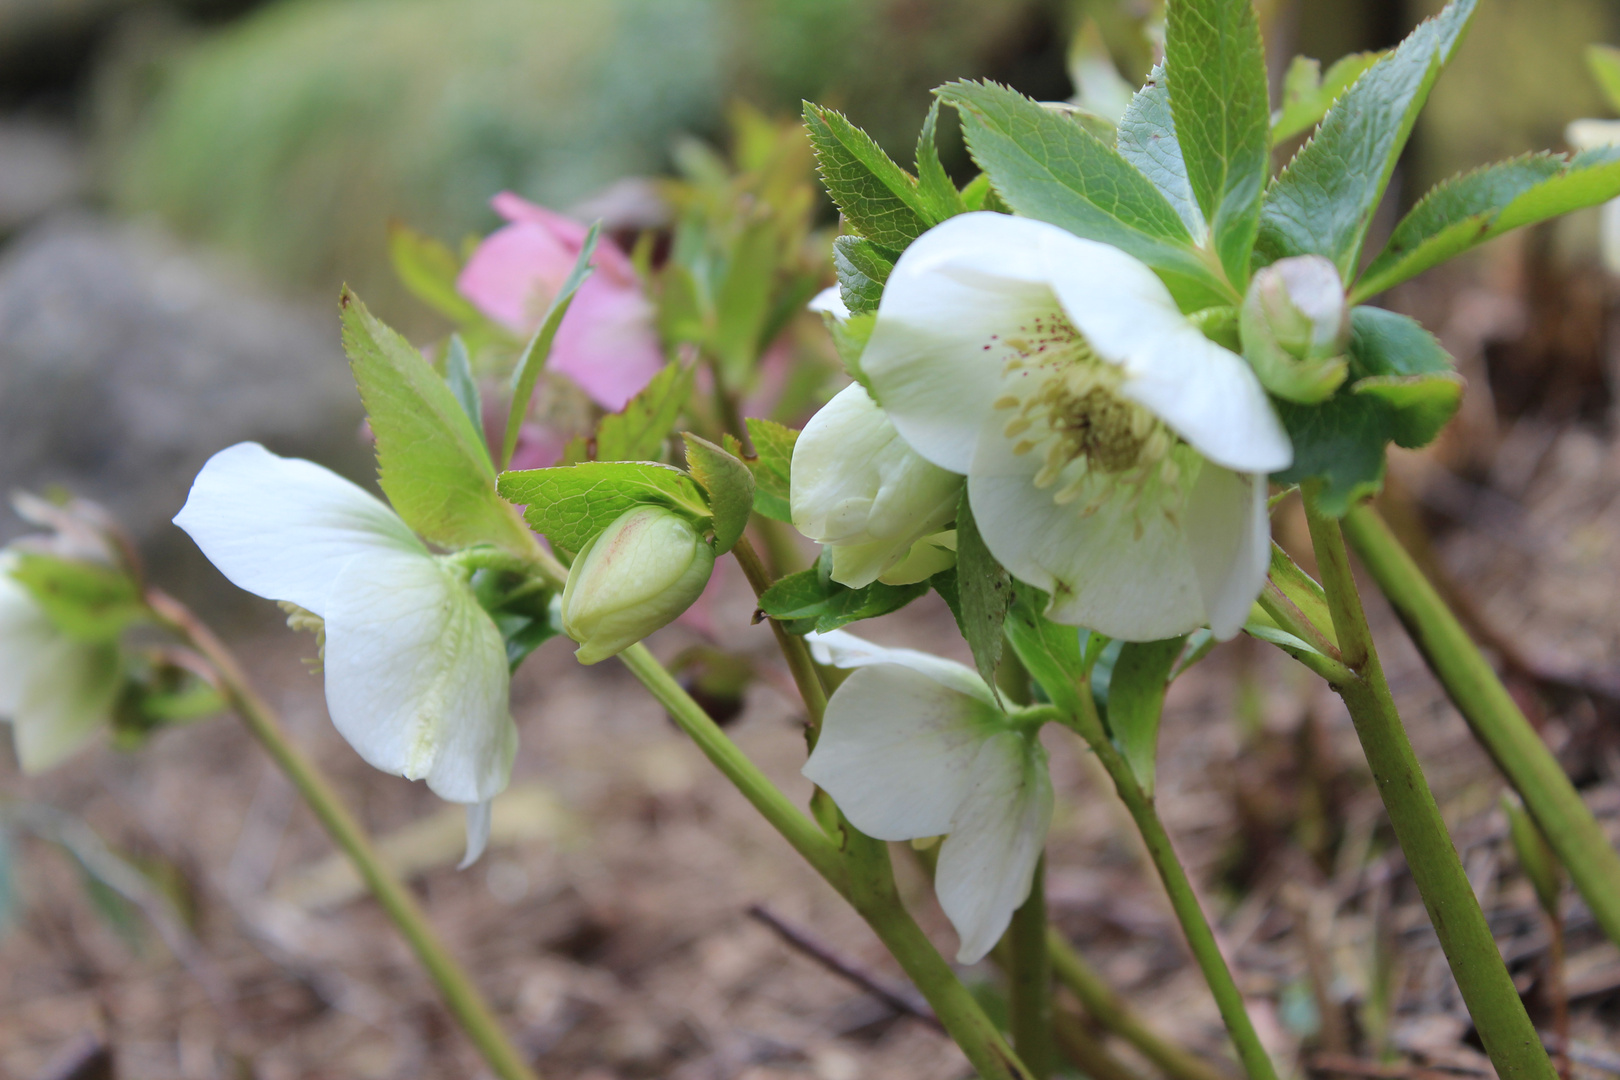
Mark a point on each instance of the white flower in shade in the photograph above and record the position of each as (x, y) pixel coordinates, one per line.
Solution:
(416, 672)
(857, 487)
(1592, 135)
(914, 746)
(1116, 458)
(56, 691)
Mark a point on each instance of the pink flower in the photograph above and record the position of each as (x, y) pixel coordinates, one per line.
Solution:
(606, 343)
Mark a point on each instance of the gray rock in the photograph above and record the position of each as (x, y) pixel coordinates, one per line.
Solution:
(126, 360)
(41, 169)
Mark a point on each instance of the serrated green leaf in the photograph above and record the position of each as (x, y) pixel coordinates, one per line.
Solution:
(571, 504)
(1215, 69)
(729, 485)
(1147, 139)
(1604, 63)
(1046, 166)
(878, 198)
(986, 592)
(458, 374)
(933, 183)
(862, 269)
(811, 600)
(1049, 652)
(523, 614)
(1340, 442)
(1474, 207)
(1136, 702)
(539, 347)
(1323, 201)
(772, 466)
(431, 462)
(1307, 93)
(638, 432)
(84, 600)
(428, 269)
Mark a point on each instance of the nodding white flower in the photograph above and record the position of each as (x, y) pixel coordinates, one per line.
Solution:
(1590, 135)
(416, 672)
(1116, 458)
(914, 746)
(56, 691)
(857, 487)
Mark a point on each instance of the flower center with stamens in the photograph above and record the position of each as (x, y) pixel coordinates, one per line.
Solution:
(1067, 402)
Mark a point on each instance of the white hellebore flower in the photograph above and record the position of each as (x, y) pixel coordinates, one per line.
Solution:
(860, 489)
(416, 672)
(914, 746)
(1116, 458)
(1590, 135)
(56, 691)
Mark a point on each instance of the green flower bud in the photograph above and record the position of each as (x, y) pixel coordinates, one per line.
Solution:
(1296, 327)
(637, 575)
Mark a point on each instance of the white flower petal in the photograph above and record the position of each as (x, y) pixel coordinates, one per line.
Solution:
(1591, 134)
(830, 301)
(283, 528)
(897, 748)
(959, 287)
(479, 815)
(1099, 572)
(416, 675)
(1229, 536)
(842, 649)
(987, 863)
(25, 636)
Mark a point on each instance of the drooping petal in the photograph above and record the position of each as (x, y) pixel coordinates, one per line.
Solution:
(1229, 536)
(842, 649)
(607, 343)
(609, 260)
(479, 815)
(987, 863)
(1109, 562)
(514, 273)
(283, 528)
(897, 749)
(416, 675)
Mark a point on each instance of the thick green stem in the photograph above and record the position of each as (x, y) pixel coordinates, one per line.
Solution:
(1030, 980)
(462, 998)
(1497, 721)
(1499, 1016)
(1183, 900)
(1109, 1010)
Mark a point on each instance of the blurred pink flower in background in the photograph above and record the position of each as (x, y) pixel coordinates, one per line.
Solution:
(607, 342)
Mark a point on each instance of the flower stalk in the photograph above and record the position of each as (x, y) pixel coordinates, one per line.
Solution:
(1030, 979)
(1496, 720)
(1488, 991)
(460, 995)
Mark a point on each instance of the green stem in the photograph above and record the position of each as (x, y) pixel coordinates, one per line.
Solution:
(1030, 980)
(1497, 721)
(1487, 989)
(1108, 1009)
(1183, 901)
(792, 647)
(468, 1006)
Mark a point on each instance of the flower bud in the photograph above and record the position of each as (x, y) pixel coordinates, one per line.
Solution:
(860, 489)
(637, 575)
(1296, 327)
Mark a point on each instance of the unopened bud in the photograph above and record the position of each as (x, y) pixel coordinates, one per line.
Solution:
(637, 575)
(1296, 327)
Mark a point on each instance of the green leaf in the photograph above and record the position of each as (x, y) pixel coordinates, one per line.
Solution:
(638, 432)
(878, 198)
(772, 466)
(1215, 68)
(742, 303)
(539, 347)
(862, 269)
(429, 269)
(730, 487)
(1402, 389)
(1046, 166)
(570, 504)
(1323, 201)
(1147, 139)
(432, 463)
(84, 600)
(1136, 701)
(1474, 207)
(458, 374)
(934, 185)
(1604, 63)
(1049, 652)
(811, 600)
(522, 613)
(1307, 93)
(985, 591)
